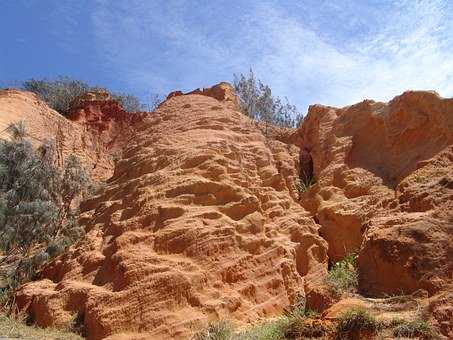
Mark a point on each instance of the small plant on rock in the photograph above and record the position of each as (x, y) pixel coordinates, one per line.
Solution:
(294, 323)
(343, 277)
(219, 330)
(356, 322)
(270, 330)
(412, 329)
(303, 185)
(306, 325)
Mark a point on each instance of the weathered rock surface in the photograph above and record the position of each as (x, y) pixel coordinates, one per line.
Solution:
(96, 132)
(222, 92)
(384, 189)
(200, 221)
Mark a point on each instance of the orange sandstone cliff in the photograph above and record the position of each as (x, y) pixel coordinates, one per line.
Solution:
(96, 130)
(202, 220)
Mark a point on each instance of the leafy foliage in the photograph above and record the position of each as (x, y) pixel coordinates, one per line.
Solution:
(220, 330)
(343, 277)
(357, 320)
(36, 199)
(60, 93)
(258, 103)
(412, 329)
(303, 184)
(295, 323)
(15, 328)
(154, 101)
(129, 102)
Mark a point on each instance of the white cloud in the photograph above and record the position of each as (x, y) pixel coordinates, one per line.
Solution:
(313, 52)
(410, 49)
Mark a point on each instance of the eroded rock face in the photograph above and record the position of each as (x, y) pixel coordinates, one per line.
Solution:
(200, 221)
(223, 92)
(96, 132)
(384, 188)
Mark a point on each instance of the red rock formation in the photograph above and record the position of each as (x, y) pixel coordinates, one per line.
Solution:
(200, 221)
(384, 189)
(97, 130)
(105, 118)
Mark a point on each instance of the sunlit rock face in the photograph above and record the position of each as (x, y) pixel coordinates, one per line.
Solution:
(96, 131)
(200, 221)
(384, 189)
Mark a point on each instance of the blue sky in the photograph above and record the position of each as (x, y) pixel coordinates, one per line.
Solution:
(312, 51)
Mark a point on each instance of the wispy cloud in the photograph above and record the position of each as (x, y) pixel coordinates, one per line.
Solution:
(334, 53)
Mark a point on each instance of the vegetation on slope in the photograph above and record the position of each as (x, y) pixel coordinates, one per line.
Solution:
(61, 93)
(38, 205)
(11, 328)
(258, 102)
(343, 276)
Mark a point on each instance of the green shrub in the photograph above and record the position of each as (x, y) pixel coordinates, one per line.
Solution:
(356, 321)
(129, 102)
(59, 94)
(36, 199)
(303, 185)
(271, 330)
(257, 102)
(305, 325)
(14, 328)
(219, 330)
(411, 329)
(306, 328)
(155, 100)
(343, 276)
(293, 323)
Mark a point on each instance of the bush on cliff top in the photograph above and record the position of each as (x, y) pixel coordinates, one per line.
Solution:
(258, 103)
(61, 92)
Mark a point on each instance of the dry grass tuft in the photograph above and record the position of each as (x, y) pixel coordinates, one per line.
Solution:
(10, 328)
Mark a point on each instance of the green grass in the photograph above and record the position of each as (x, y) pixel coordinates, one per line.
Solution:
(343, 277)
(303, 328)
(271, 330)
(411, 329)
(304, 185)
(219, 330)
(291, 325)
(283, 327)
(357, 321)
(10, 328)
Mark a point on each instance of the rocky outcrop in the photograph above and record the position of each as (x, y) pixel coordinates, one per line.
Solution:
(200, 221)
(96, 131)
(384, 189)
(223, 92)
(105, 118)
(202, 218)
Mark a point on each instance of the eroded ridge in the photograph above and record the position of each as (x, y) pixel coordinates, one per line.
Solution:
(199, 221)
